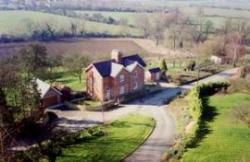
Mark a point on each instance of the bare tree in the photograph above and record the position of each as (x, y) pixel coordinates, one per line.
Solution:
(143, 22)
(234, 47)
(158, 27)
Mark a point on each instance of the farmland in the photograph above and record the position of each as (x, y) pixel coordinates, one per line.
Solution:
(19, 22)
(216, 15)
(96, 49)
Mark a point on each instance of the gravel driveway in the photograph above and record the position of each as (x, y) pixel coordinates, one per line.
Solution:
(163, 135)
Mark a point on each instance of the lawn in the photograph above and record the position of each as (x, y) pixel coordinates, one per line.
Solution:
(121, 138)
(60, 75)
(228, 140)
(18, 23)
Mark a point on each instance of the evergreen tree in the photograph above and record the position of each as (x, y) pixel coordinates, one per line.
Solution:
(164, 66)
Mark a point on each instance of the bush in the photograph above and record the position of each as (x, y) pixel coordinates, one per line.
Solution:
(191, 65)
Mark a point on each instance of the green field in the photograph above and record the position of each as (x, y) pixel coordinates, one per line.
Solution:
(19, 22)
(121, 138)
(216, 15)
(228, 140)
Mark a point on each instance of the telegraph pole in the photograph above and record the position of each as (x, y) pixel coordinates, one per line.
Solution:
(103, 118)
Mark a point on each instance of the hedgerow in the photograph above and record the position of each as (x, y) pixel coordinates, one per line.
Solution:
(197, 108)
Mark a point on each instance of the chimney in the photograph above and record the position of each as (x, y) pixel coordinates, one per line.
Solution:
(116, 55)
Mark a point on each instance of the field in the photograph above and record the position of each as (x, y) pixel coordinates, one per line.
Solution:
(19, 22)
(216, 15)
(94, 48)
(121, 138)
(228, 140)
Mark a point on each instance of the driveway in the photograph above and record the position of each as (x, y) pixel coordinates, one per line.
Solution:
(164, 132)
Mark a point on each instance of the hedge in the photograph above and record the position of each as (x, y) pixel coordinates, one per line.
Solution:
(197, 106)
(197, 109)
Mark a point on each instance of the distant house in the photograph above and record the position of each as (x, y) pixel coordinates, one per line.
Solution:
(153, 74)
(112, 79)
(49, 96)
(216, 59)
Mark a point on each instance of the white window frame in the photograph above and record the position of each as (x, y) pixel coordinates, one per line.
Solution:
(108, 93)
(136, 74)
(122, 90)
(135, 85)
(122, 78)
(157, 76)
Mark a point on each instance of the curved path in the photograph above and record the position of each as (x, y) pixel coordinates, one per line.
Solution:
(163, 135)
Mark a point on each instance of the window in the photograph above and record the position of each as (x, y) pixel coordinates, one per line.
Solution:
(122, 78)
(122, 90)
(157, 76)
(135, 85)
(136, 74)
(108, 93)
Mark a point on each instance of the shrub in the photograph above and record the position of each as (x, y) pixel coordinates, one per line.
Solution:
(164, 66)
(191, 65)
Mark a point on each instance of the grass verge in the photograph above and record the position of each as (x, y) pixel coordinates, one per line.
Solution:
(121, 138)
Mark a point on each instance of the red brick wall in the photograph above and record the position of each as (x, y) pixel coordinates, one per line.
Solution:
(51, 99)
(139, 78)
(94, 84)
(117, 84)
(97, 86)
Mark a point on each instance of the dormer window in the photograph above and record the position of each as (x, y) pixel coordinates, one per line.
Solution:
(122, 78)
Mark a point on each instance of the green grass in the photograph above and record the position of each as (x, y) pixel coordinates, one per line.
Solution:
(16, 22)
(60, 75)
(122, 137)
(228, 141)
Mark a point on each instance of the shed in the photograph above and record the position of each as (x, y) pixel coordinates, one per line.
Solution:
(153, 74)
(50, 96)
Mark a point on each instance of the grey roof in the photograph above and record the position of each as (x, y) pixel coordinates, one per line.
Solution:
(127, 60)
(154, 70)
(104, 67)
(110, 68)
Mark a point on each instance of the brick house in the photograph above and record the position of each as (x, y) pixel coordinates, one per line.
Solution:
(50, 96)
(153, 74)
(114, 78)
